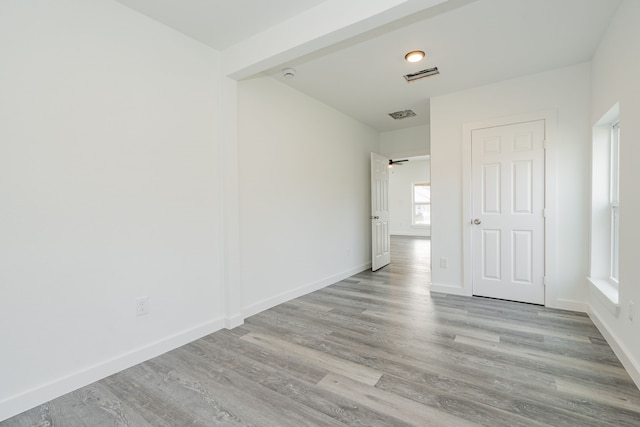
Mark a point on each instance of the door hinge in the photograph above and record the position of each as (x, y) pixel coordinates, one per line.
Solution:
(544, 144)
(545, 282)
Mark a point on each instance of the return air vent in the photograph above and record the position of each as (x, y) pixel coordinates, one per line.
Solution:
(399, 115)
(422, 74)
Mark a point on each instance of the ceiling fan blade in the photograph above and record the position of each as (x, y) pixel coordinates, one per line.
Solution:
(397, 162)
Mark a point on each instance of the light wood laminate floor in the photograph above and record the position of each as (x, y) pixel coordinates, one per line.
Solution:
(376, 349)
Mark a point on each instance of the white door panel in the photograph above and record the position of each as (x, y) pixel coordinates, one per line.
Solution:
(380, 239)
(491, 246)
(508, 203)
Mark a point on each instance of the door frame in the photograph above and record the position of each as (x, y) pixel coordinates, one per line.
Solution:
(550, 196)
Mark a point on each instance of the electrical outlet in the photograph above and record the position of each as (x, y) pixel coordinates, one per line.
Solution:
(142, 306)
(631, 310)
(444, 262)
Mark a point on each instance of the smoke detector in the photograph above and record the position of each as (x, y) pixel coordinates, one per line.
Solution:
(288, 73)
(399, 115)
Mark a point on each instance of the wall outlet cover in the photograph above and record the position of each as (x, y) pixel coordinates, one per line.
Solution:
(142, 306)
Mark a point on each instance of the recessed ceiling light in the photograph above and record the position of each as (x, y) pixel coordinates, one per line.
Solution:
(415, 56)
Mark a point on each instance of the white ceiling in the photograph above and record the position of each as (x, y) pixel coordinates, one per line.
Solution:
(472, 42)
(220, 23)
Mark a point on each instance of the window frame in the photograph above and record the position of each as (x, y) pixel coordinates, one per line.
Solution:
(614, 203)
(605, 210)
(414, 204)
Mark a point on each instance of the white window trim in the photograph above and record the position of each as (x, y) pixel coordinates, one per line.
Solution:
(607, 293)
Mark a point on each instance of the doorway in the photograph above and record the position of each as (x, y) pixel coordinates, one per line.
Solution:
(505, 243)
(400, 207)
(410, 197)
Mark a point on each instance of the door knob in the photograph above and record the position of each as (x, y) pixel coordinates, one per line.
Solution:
(477, 221)
(375, 217)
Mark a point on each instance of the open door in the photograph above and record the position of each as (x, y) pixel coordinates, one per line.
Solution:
(380, 240)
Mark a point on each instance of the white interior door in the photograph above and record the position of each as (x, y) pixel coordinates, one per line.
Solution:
(380, 240)
(508, 212)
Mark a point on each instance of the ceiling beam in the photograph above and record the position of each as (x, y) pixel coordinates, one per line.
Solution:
(330, 22)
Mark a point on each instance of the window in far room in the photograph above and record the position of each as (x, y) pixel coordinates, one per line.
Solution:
(421, 205)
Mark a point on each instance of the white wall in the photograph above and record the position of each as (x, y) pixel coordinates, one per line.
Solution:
(616, 67)
(413, 141)
(565, 91)
(304, 193)
(401, 180)
(108, 189)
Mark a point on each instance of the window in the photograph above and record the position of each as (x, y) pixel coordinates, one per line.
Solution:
(614, 199)
(605, 209)
(421, 205)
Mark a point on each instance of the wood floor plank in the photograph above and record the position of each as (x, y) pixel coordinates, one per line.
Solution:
(453, 330)
(547, 358)
(334, 364)
(465, 400)
(310, 305)
(612, 396)
(397, 406)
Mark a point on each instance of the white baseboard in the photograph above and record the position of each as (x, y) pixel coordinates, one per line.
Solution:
(570, 305)
(19, 403)
(447, 289)
(233, 321)
(411, 233)
(630, 364)
(300, 291)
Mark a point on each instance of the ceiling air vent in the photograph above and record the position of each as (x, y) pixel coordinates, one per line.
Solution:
(399, 115)
(422, 74)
